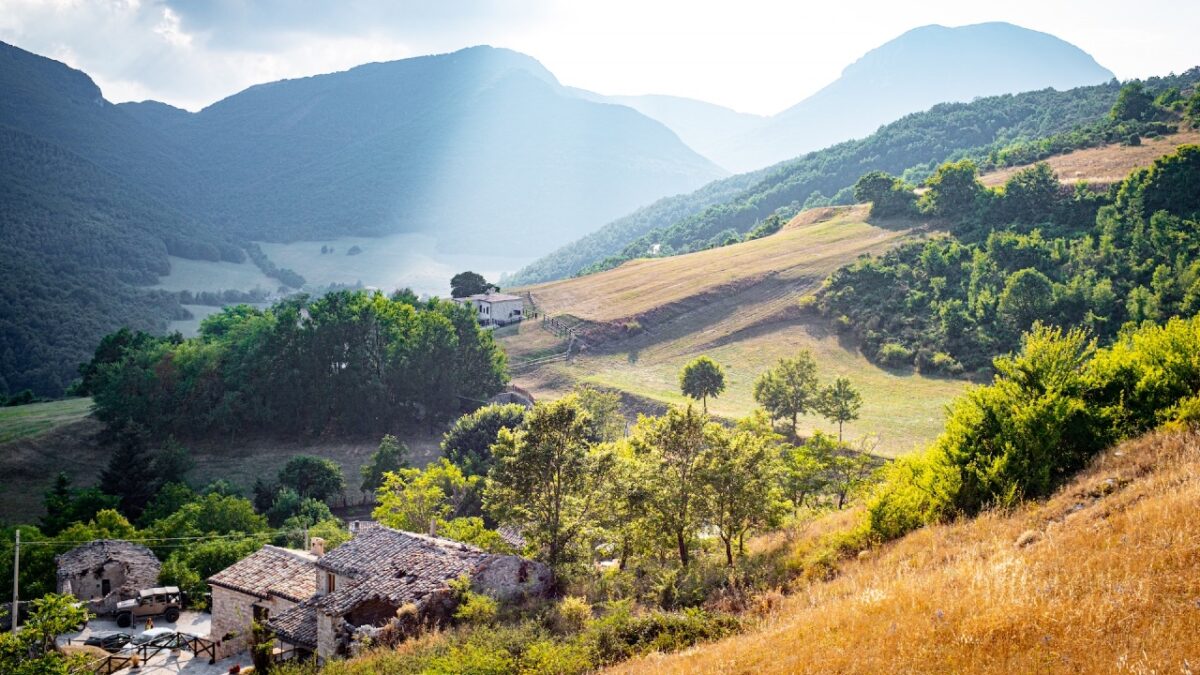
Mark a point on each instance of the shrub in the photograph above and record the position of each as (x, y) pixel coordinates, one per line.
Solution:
(941, 362)
(476, 609)
(573, 614)
(556, 658)
(894, 354)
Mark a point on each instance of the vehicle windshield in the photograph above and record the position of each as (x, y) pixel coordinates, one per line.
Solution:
(148, 636)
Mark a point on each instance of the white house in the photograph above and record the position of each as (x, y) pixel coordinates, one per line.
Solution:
(495, 309)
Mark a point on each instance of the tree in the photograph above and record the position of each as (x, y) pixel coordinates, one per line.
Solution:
(548, 479)
(702, 378)
(468, 443)
(414, 499)
(1133, 103)
(888, 195)
(790, 389)
(953, 191)
(846, 469)
(465, 284)
(738, 475)
(66, 505)
(604, 409)
(670, 448)
(170, 498)
(392, 455)
(314, 477)
(839, 402)
(32, 649)
(803, 474)
(130, 474)
(1027, 296)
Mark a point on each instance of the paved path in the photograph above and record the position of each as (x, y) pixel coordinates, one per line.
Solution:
(195, 623)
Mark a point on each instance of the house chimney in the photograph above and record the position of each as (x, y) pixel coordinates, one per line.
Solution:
(433, 527)
(317, 546)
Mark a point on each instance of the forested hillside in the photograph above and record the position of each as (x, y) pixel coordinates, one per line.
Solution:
(481, 149)
(998, 130)
(1030, 251)
(76, 243)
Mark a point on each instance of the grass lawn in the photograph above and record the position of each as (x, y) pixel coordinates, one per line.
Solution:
(26, 421)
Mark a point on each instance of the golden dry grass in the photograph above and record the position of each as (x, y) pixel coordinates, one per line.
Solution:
(1107, 164)
(813, 244)
(739, 305)
(1102, 578)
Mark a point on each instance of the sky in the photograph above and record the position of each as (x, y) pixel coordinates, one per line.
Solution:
(757, 56)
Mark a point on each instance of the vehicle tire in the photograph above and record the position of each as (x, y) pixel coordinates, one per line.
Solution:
(124, 620)
(171, 615)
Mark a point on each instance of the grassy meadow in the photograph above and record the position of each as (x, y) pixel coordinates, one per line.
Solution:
(27, 421)
(740, 305)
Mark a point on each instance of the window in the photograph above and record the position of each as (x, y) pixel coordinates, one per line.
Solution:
(105, 587)
(261, 613)
(330, 582)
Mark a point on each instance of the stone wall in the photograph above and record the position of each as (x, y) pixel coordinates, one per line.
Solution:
(510, 577)
(232, 613)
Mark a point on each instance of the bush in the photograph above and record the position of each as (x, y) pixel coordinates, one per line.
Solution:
(556, 658)
(573, 614)
(893, 355)
(476, 609)
(941, 362)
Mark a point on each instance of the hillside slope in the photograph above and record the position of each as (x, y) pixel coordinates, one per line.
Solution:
(1099, 578)
(739, 304)
(924, 66)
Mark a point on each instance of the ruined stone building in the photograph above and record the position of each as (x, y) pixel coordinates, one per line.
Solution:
(105, 572)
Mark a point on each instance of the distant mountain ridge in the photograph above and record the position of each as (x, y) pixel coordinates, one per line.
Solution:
(481, 149)
(916, 70)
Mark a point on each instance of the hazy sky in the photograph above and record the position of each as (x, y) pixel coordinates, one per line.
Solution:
(751, 55)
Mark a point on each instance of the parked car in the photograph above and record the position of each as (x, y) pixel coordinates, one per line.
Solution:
(111, 641)
(151, 602)
(151, 635)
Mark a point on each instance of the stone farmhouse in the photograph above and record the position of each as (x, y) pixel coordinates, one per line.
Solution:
(105, 572)
(361, 585)
(494, 309)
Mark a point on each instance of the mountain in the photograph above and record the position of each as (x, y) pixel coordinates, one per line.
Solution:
(923, 67)
(1035, 124)
(481, 149)
(705, 127)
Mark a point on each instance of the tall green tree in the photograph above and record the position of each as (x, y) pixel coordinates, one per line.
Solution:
(130, 473)
(954, 191)
(391, 455)
(701, 378)
(468, 443)
(671, 448)
(468, 283)
(548, 478)
(739, 475)
(1133, 103)
(313, 477)
(415, 499)
(840, 403)
(790, 389)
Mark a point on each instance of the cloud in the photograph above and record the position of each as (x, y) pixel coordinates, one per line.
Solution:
(191, 54)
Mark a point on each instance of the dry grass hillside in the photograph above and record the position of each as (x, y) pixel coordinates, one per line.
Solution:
(1101, 578)
(739, 304)
(1104, 165)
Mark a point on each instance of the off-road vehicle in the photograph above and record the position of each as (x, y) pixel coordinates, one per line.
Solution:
(150, 602)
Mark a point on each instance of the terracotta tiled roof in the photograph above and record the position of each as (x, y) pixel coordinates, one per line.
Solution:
(297, 624)
(271, 571)
(399, 567)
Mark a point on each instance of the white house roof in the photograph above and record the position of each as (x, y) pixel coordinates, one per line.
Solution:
(493, 297)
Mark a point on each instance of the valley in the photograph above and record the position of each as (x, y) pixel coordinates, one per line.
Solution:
(739, 304)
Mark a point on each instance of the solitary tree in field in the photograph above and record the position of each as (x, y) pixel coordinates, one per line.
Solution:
(314, 477)
(465, 284)
(790, 389)
(702, 378)
(392, 455)
(840, 403)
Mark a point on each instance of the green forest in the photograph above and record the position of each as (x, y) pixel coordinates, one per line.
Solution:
(350, 362)
(1031, 250)
(994, 131)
